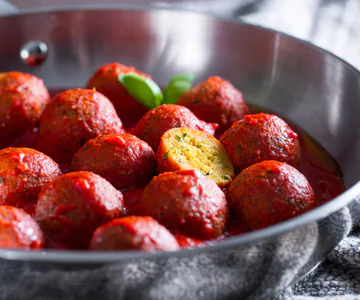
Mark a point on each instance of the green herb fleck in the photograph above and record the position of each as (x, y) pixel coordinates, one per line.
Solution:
(184, 135)
(226, 177)
(166, 155)
(180, 139)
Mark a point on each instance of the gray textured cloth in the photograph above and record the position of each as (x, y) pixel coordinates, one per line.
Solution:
(337, 278)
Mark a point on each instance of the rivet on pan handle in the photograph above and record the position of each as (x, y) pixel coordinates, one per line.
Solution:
(34, 53)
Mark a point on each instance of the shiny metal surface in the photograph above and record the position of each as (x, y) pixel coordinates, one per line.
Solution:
(6, 8)
(313, 89)
(33, 53)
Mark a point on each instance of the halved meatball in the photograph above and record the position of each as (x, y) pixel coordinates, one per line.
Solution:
(189, 149)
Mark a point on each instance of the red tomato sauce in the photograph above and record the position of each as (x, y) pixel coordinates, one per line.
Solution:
(320, 169)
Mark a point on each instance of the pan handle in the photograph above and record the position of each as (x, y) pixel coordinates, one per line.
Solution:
(7, 8)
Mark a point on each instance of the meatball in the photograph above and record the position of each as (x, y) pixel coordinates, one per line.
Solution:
(189, 149)
(160, 119)
(71, 119)
(105, 80)
(124, 160)
(71, 207)
(260, 137)
(133, 233)
(23, 173)
(22, 100)
(18, 230)
(216, 100)
(185, 202)
(268, 193)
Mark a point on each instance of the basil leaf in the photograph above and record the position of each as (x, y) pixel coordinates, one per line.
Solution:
(183, 77)
(177, 86)
(144, 90)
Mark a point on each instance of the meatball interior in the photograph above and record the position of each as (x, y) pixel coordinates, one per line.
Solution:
(188, 149)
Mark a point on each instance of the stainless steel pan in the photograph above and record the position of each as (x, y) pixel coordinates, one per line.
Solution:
(307, 85)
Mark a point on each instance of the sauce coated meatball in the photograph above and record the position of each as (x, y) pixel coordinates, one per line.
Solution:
(160, 119)
(133, 233)
(186, 202)
(260, 137)
(23, 173)
(268, 193)
(71, 119)
(105, 80)
(71, 207)
(23, 98)
(124, 160)
(216, 100)
(18, 230)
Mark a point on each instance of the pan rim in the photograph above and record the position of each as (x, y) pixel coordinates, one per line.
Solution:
(98, 257)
